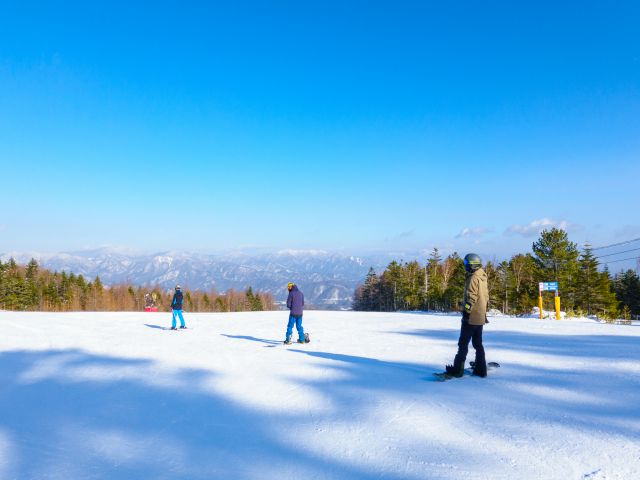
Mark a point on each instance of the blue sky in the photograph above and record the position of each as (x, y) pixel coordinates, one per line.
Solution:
(332, 125)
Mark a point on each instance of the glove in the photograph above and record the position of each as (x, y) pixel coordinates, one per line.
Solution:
(465, 317)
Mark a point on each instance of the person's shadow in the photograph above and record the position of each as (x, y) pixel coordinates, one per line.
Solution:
(160, 327)
(270, 343)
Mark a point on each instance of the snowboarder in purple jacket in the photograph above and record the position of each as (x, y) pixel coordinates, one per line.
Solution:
(295, 303)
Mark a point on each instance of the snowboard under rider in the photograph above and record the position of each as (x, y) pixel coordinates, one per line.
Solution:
(176, 306)
(295, 304)
(474, 316)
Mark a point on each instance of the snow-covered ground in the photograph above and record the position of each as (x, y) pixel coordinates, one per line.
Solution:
(114, 396)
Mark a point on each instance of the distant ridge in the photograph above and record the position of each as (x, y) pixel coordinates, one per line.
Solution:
(328, 279)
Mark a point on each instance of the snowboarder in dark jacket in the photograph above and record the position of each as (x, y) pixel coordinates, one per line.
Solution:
(295, 304)
(176, 306)
(474, 316)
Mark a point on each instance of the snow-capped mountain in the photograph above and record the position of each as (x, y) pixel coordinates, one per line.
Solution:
(327, 279)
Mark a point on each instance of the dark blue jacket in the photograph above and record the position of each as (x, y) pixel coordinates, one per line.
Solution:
(176, 303)
(295, 301)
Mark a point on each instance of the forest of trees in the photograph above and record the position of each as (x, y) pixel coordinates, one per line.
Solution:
(585, 289)
(30, 288)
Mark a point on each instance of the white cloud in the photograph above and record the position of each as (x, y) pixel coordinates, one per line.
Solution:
(472, 232)
(534, 228)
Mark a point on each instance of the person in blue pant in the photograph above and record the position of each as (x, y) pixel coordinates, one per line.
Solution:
(176, 306)
(295, 304)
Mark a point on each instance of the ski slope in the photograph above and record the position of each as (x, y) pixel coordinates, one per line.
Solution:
(114, 396)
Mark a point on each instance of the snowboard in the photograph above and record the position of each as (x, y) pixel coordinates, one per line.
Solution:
(443, 376)
(306, 340)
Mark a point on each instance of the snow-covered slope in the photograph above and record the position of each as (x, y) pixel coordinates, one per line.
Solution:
(114, 396)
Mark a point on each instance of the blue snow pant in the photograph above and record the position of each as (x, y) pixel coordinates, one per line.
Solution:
(297, 321)
(177, 313)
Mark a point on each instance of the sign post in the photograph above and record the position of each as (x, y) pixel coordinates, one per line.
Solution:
(549, 287)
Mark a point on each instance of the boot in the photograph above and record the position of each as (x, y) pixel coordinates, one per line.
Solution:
(454, 372)
(479, 369)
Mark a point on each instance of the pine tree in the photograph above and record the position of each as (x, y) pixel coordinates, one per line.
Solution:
(627, 289)
(390, 287)
(254, 302)
(98, 294)
(557, 260)
(413, 286)
(607, 303)
(436, 284)
(587, 282)
(206, 302)
(501, 288)
(33, 290)
(367, 296)
(14, 294)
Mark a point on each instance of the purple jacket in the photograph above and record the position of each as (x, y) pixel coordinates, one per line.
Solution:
(295, 301)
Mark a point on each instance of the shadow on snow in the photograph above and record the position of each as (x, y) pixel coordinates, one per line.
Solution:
(69, 414)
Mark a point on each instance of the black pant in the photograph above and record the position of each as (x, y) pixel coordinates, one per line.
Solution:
(473, 333)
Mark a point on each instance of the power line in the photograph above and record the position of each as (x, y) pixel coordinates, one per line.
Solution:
(616, 244)
(617, 253)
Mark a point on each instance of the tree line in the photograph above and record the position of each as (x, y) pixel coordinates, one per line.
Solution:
(30, 288)
(585, 288)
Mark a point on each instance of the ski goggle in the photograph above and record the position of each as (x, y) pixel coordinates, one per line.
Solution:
(468, 263)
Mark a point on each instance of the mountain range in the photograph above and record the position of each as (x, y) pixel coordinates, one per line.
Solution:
(327, 279)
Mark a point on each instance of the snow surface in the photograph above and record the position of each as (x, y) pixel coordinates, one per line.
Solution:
(114, 396)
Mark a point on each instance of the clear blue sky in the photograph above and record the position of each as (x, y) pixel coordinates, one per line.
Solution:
(358, 125)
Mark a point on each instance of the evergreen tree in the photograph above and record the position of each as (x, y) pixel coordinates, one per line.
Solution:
(557, 260)
(14, 294)
(413, 286)
(501, 288)
(494, 284)
(206, 301)
(219, 305)
(188, 300)
(607, 303)
(367, 296)
(254, 301)
(33, 290)
(435, 284)
(98, 294)
(390, 287)
(587, 282)
(594, 293)
(627, 289)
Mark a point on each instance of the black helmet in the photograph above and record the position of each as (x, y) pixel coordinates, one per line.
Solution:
(472, 262)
